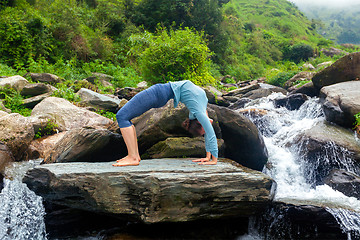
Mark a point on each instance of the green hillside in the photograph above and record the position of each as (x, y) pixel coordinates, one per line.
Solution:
(340, 23)
(154, 40)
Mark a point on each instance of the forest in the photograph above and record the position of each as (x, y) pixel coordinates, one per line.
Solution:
(157, 41)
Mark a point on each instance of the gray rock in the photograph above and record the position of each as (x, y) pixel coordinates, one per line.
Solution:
(345, 182)
(244, 143)
(263, 92)
(308, 66)
(301, 76)
(158, 190)
(181, 147)
(102, 78)
(324, 64)
(142, 84)
(127, 92)
(35, 89)
(40, 148)
(341, 102)
(231, 99)
(330, 52)
(16, 132)
(3, 108)
(16, 82)
(240, 103)
(87, 145)
(307, 89)
(243, 90)
(45, 78)
(66, 115)
(345, 69)
(216, 99)
(291, 102)
(33, 101)
(5, 158)
(97, 100)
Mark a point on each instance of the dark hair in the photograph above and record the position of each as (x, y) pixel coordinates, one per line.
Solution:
(193, 126)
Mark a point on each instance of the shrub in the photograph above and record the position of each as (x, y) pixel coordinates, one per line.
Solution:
(281, 78)
(172, 56)
(50, 128)
(357, 120)
(14, 101)
(299, 52)
(66, 92)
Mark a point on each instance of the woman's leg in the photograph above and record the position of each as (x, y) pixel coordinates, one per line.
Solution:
(133, 157)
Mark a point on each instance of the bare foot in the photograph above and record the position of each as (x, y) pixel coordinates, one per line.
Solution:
(127, 161)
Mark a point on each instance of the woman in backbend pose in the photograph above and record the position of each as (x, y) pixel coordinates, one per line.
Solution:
(157, 96)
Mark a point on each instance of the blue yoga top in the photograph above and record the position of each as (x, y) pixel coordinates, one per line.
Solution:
(196, 101)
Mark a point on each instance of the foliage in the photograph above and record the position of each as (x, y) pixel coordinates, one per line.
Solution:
(357, 120)
(299, 52)
(66, 92)
(281, 78)
(172, 56)
(107, 114)
(50, 128)
(13, 101)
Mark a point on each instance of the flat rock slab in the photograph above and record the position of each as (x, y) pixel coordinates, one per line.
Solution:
(158, 190)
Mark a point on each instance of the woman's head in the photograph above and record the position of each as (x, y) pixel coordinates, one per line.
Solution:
(194, 127)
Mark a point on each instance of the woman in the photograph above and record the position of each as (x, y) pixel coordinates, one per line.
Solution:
(157, 96)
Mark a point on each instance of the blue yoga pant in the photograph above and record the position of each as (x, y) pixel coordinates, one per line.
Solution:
(155, 96)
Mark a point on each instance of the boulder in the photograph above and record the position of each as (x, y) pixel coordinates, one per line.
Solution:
(66, 115)
(301, 76)
(39, 148)
(142, 84)
(240, 103)
(330, 52)
(98, 101)
(244, 143)
(346, 182)
(327, 146)
(324, 64)
(16, 82)
(308, 66)
(102, 78)
(158, 190)
(345, 69)
(33, 101)
(87, 145)
(180, 147)
(158, 124)
(341, 102)
(34, 89)
(231, 99)
(45, 78)
(291, 102)
(264, 91)
(5, 158)
(215, 99)
(2, 113)
(16, 132)
(307, 89)
(243, 90)
(127, 92)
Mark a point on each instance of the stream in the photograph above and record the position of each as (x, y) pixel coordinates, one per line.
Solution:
(22, 212)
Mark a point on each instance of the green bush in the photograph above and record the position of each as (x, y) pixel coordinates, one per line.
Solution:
(50, 128)
(172, 56)
(281, 78)
(66, 92)
(14, 101)
(299, 52)
(357, 120)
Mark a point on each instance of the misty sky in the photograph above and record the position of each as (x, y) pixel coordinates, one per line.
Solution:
(332, 3)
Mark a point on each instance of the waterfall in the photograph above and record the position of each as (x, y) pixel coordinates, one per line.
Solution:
(21, 210)
(294, 173)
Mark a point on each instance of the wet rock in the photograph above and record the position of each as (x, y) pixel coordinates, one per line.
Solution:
(16, 132)
(240, 103)
(330, 52)
(33, 101)
(45, 78)
(243, 90)
(253, 112)
(291, 102)
(99, 101)
(244, 144)
(158, 190)
(87, 145)
(16, 82)
(326, 146)
(264, 91)
(5, 158)
(35, 89)
(231, 99)
(102, 78)
(341, 102)
(307, 89)
(66, 115)
(39, 148)
(301, 76)
(345, 69)
(345, 182)
(181, 147)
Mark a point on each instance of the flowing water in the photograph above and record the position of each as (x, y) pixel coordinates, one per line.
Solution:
(294, 174)
(22, 212)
